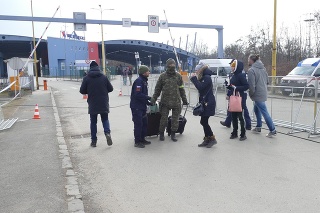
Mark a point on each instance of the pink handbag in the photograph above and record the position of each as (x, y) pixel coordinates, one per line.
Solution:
(235, 102)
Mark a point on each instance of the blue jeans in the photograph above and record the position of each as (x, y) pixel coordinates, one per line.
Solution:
(125, 80)
(260, 108)
(93, 124)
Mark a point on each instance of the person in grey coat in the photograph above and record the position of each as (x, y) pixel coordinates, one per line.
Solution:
(258, 92)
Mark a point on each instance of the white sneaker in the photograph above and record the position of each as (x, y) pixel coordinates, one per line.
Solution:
(271, 134)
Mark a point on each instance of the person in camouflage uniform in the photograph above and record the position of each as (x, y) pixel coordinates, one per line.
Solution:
(170, 84)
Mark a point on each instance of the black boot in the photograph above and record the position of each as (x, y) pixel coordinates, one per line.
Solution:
(242, 138)
(173, 137)
(204, 143)
(234, 135)
(212, 141)
(93, 143)
(145, 142)
(223, 123)
(139, 145)
(161, 136)
(109, 139)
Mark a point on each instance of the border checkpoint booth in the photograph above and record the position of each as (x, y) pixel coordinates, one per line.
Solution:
(24, 79)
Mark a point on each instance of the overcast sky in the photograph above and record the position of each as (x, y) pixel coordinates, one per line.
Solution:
(237, 17)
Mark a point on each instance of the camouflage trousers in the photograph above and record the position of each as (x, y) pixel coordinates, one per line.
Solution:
(164, 110)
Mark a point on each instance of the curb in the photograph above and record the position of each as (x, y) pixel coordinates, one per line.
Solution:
(74, 197)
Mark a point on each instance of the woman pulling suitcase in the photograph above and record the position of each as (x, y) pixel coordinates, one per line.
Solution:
(202, 81)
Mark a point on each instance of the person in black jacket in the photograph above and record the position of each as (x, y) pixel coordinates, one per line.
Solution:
(204, 85)
(97, 86)
(239, 83)
(138, 104)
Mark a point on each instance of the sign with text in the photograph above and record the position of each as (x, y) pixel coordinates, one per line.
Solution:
(163, 24)
(82, 25)
(126, 22)
(73, 35)
(153, 24)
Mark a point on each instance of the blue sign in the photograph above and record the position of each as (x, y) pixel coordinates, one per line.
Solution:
(73, 35)
(190, 62)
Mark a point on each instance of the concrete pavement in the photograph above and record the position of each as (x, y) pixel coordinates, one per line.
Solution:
(258, 175)
(31, 176)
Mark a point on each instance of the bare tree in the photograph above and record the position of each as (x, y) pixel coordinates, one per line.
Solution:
(291, 46)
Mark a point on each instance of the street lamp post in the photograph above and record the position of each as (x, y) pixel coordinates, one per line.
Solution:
(274, 47)
(103, 52)
(309, 20)
(35, 52)
(136, 55)
(150, 56)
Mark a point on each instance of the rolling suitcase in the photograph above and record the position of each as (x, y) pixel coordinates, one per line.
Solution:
(154, 117)
(182, 123)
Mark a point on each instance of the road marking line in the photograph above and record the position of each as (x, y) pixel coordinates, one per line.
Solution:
(22, 120)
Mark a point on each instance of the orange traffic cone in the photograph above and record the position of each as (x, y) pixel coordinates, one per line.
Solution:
(120, 93)
(36, 113)
(85, 96)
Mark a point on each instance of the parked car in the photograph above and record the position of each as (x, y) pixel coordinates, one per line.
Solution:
(303, 75)
(220, 69)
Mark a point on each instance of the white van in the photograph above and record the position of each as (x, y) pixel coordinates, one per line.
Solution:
(302, 75)
(220, 69)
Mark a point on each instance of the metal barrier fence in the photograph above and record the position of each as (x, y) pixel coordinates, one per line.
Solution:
(73, 73)
(4, 82)
(11, 91)
(291, 106)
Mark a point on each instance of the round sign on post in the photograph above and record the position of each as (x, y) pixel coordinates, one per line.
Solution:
(153, 23)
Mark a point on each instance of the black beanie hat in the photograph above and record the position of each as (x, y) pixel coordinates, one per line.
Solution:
(93, 64)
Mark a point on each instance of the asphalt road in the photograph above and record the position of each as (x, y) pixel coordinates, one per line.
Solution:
(258, 175)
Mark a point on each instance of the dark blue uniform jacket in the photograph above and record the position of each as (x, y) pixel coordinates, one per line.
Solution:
(139, 94)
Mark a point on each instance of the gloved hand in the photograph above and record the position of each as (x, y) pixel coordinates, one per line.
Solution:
(152, 101)
(185, 103)
(231, 87)
(149, 98)
(149, 103)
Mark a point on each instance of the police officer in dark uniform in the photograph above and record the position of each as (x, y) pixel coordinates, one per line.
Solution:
(138, 105)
